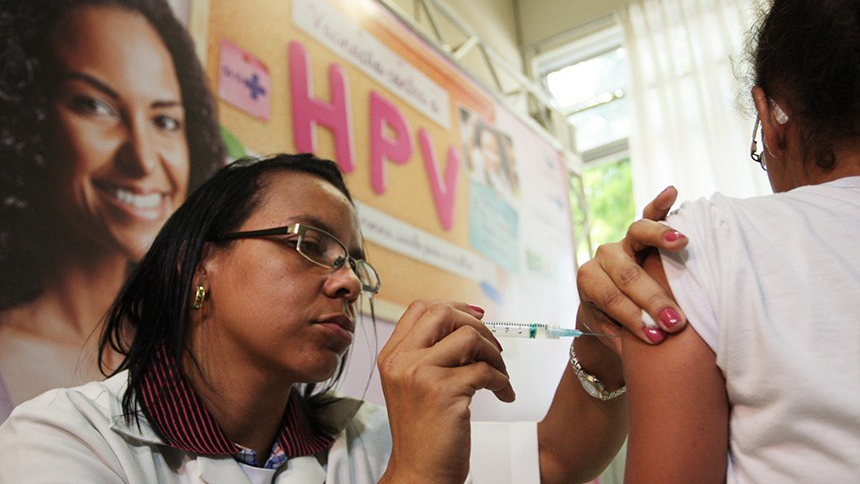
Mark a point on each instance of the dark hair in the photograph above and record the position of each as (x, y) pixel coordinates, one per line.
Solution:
(26, 119)
(808, 52)
(152, 310)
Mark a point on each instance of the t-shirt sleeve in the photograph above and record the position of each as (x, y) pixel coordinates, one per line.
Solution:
(693, 273)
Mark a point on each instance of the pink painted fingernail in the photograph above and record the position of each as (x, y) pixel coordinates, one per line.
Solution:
(498, 344)
(672, 236)
(669, 317)
(654, 335)
(665, 189)
(477, 309)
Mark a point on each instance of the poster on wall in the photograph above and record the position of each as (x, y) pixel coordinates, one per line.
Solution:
(106, 124)
(458, 197)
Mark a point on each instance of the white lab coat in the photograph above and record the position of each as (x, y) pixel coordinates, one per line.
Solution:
(79, 435)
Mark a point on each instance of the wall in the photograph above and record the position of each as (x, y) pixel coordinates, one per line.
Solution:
(494, 22)
(542, 21)
(496, 264)
(513, 28)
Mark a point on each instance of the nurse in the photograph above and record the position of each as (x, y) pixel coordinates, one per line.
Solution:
(233, 331)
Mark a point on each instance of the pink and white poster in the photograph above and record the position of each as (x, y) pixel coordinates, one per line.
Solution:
(244, 81)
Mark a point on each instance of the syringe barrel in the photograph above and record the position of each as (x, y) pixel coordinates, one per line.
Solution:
(521, 330)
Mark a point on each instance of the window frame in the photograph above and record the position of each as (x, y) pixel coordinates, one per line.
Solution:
(597, 42)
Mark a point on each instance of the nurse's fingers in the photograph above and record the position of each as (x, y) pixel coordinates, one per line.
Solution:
(479, 376)
(424, 323)
(430, 369)
(465, 346)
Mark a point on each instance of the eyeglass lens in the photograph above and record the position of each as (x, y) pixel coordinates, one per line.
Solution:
(367, 275)
(323, 249)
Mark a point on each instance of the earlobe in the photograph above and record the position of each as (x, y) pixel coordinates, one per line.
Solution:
(773, 139)
(199, 285)
(199, 297)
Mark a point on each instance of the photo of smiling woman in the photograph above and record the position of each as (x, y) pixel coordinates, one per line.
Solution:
(106, 124)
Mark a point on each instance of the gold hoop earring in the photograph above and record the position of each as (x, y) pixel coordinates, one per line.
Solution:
(199, 297)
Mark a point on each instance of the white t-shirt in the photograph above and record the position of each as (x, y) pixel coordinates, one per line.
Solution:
(79, 435)
(772, 284)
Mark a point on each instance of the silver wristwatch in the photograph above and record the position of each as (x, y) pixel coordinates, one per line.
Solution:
(591, 383)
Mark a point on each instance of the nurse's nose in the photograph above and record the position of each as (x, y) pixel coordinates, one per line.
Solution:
(344, 282)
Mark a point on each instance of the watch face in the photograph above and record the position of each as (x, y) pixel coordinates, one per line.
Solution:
(589, 387)
(592, 386)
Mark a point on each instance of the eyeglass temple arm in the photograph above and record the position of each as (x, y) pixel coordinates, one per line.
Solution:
(255, 233)
(754, 146)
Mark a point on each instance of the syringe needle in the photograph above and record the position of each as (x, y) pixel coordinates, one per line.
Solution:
(577, 333)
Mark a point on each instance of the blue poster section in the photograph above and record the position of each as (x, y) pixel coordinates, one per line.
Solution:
(494, 227)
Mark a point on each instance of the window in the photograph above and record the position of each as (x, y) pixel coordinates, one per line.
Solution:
(588, 80)
(591, 93)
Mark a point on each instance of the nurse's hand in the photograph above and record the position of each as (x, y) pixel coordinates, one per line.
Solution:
(437, 358)
(614, 289)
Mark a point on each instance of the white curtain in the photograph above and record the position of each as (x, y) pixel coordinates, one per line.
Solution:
(691, 114)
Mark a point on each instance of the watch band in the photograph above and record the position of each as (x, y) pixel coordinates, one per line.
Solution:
(592, 385)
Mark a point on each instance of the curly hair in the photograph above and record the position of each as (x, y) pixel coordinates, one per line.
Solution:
(809, 54)
(25, 122)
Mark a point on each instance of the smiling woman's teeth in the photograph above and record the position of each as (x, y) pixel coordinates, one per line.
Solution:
(153, 200)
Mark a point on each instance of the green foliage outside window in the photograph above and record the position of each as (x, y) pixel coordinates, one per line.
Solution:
(609, 194)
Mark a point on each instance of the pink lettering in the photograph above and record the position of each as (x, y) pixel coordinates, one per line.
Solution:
(310, 112)
(385, 118)
(444, 190)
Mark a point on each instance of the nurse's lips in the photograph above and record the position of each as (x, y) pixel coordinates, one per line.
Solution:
(340, 325)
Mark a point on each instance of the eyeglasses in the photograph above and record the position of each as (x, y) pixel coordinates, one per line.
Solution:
(757, 156)
(319, 247)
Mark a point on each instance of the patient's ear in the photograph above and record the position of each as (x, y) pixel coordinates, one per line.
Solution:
(774, 120)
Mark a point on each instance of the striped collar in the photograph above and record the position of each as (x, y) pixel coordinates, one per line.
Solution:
(181, 419)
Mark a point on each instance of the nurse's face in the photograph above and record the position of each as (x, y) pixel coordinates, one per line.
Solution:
(120, 156)
(272, 314)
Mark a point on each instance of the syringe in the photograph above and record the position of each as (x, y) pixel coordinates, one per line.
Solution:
(534, 330)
